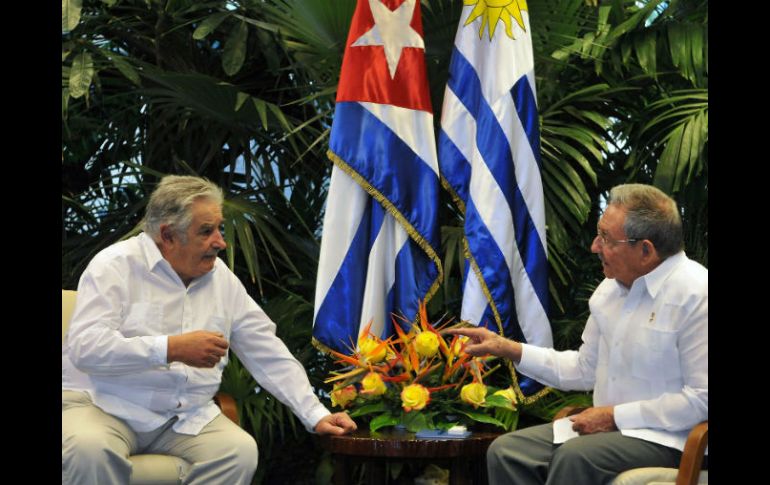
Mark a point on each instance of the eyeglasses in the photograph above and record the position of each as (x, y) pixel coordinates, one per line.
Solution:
(606, 241)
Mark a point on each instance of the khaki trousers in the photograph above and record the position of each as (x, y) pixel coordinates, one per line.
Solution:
(529, 457)
(96, 447)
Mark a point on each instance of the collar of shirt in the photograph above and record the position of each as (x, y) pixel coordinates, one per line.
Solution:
(654, 279)
(155, 261)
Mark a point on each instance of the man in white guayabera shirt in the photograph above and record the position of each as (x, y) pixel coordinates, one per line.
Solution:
(644, 354)
(144, 354)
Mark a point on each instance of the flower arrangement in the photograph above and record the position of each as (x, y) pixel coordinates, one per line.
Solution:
(420, 380)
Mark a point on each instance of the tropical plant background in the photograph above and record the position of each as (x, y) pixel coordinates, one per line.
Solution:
(242, 92)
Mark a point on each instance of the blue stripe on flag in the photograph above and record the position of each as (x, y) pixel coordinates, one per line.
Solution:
(454, 167)
(364, 142)
(341, 309)
(409, 258)
(496, 153)
(526, 108)
(495, 271)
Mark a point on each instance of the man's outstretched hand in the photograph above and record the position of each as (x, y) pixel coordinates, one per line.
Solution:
(483, 342)
(337, 423)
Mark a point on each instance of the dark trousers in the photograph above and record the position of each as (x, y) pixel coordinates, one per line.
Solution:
(529, 457)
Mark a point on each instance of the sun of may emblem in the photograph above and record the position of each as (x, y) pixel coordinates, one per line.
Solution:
(493, 10)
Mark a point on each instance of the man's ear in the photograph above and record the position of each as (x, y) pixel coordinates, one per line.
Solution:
(649, 251)
(166, 234)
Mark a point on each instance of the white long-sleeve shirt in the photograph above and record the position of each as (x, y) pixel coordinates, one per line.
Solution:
(129, 301)
(644, 351)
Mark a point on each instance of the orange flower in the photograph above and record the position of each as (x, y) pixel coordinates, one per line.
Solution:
(342, 396)
(457, 346)
(414, 397)
(372, 350)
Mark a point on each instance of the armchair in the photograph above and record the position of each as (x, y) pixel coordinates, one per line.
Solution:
(689, 472)
(150, 469)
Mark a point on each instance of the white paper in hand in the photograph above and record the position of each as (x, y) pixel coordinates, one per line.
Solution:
(562, 430)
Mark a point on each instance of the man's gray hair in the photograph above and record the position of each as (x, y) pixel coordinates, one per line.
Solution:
(171, 201)
(651, 215)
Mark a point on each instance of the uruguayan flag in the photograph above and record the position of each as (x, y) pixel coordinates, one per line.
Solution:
(489, 154)
(380, 234)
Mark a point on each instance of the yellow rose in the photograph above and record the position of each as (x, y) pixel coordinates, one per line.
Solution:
(372, 385)
(474, 393)
(342, 396)
(369, 350)
(414, 397)
(426, 344)
(508, 394)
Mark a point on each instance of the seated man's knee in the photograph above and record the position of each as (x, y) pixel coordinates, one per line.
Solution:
(571, 451)
(244, 450)
(499, 450)
(89, 444)
(495, 450)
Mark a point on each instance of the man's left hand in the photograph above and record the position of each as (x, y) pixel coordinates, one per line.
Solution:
(337, 423)
(594, 420)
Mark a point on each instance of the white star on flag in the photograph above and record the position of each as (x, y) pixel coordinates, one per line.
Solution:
(392, 31)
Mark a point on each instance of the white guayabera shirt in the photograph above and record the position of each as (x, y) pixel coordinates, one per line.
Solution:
(129, 301)
(644, 351)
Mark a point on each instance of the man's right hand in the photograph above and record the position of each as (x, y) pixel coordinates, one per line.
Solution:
(197, 349)
(484, 342)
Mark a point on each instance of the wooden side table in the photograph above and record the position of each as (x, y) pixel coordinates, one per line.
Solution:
(466, 457)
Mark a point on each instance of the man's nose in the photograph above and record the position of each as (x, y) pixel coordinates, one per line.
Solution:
(595, 248)
(219, 241)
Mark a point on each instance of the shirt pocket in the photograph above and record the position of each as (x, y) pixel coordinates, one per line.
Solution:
(655, 354)
(143, 319)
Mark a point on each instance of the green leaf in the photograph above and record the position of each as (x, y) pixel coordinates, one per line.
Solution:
(377, 407)
(645, 53)
(262, 25)
(241, 98)
(666, 170)
(482, 418)
(81, 74)
(284, 123)
(497, 401)
(70, 14)
(261, 110)
(126, 69)
(235, 50)
(65, 97)
(383, 420)
(414, 421)
(209, 25)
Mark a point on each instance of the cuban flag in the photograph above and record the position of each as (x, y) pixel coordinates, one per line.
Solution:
(380, 234)
(489, 154)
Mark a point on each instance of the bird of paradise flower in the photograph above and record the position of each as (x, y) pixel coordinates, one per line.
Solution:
(406, 362)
